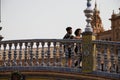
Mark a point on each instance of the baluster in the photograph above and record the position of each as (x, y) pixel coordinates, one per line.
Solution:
(15, 55)
(60, 54)
(99, 68)
(9, 55)
(42, 55)
(4, 54)
(31, 54)
(54, 54)
(72, 55)
(105, 67)
(20, 54)
(48, 54)
(66, 55)
(112, 59)
(118, 59)
(25, 52)
(37, 55)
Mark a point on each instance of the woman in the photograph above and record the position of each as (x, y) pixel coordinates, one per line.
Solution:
(78, 36)
(77, 33)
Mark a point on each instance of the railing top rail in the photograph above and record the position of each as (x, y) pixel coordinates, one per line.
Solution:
(106, 42)
(59, 40)
(40, 40)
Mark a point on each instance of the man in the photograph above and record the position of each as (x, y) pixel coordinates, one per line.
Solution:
(68, 34)
(68, 46)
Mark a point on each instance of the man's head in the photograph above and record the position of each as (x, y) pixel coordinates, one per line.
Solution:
(69, 30)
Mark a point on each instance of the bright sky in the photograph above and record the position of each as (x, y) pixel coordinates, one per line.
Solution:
(38, 19)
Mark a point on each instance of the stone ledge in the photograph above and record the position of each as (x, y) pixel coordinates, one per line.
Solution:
(58, 75)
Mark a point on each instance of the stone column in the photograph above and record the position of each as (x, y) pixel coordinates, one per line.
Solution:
(88, 53)
(88, 49)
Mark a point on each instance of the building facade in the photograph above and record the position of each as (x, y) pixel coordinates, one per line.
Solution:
(98, 29)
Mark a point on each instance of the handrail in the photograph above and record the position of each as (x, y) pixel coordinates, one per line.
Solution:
(106, 42)
(40, 40)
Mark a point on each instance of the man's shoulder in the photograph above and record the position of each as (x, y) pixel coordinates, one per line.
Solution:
(66, 36)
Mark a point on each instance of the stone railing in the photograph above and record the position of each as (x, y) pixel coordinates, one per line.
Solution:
(53, 54)
(38, 53)
(107, 58)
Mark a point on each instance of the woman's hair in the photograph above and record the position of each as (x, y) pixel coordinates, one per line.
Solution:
(77, 31)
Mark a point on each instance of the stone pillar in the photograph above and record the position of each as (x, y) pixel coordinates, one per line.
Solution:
(88, 48)
(88, 53)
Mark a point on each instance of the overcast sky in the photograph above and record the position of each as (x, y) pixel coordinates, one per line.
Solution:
(38, 19)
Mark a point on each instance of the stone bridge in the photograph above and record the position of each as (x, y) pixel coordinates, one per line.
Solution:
(56, 59)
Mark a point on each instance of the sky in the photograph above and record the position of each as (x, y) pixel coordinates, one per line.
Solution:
(48, 19)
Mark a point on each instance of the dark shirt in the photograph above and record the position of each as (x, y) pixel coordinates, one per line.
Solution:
(68, 36)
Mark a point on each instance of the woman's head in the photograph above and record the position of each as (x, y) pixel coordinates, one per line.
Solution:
(77, 32)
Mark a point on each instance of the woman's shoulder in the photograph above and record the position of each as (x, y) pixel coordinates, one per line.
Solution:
(77, 37)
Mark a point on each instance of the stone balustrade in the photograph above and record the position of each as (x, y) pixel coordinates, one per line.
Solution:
(38, 52)
(53, 55)
(108, 56)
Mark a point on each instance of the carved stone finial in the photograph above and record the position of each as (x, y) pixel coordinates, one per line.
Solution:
(88, 13)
